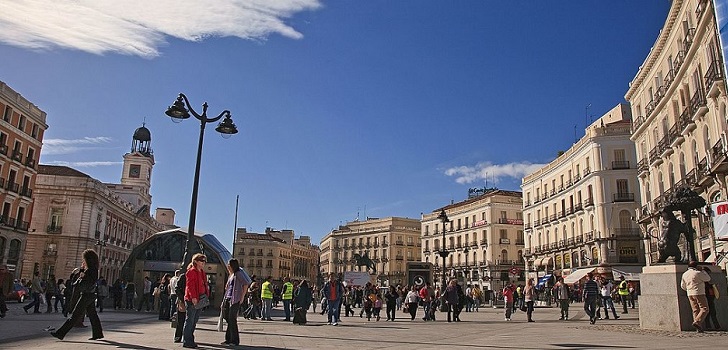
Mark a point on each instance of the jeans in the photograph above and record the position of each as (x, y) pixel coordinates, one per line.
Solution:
(84, 306)
(100, 303)
(564, 305)
(333, 310)
(624, 303)
(390, 311)
(426, 307)
(230, 312)
(590, 306)
(509, 309)
(146, 298)
(164, 307)
(192, 316)
(529, 309)
(609, 303)
(34, 304)
(130, 301)
(59, 299)
(267, 306)
(287, 308)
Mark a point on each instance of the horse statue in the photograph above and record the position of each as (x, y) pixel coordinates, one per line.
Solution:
(365, 261)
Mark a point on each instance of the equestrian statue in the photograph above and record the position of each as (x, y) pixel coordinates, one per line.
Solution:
(365, 261)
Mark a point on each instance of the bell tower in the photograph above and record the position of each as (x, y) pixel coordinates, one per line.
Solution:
(138, 164)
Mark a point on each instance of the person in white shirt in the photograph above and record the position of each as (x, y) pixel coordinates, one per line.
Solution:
(606, 293)
(693, 282)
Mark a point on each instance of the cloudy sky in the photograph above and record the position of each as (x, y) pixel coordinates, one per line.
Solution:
(345, 108)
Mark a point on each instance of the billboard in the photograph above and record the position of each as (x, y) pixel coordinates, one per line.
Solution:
(356, 278)
(719, 212)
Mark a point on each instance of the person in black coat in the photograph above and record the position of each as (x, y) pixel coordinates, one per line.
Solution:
(85, 286)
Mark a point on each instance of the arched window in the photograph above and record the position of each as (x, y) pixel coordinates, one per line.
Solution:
(520, 256)
(595, 255)
(671, 175)
(660, 184)
(683, 170)
(504, 255)
(563, 233)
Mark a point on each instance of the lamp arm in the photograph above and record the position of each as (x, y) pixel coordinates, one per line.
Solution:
(222, 114)
(189, 106)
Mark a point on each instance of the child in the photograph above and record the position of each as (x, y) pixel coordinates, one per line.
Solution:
(377, 306)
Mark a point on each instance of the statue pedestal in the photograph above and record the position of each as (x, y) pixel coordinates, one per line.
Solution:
(663, 305)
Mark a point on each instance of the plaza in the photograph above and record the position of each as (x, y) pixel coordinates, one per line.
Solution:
(484, 329)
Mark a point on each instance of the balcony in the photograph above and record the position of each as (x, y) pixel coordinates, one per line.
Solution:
(17, 156)
(484, 242)
(570, 242)
(30, 162)
(399, 242)
(399, 257)
(654, 157)
(527, 204)
(4, 149)
(410, 244)
(520, 242)
(26, 192)
(553, 218)
(385, 244)
(505, 241)
(22, 225)
(12, 187)
(589, 202)
(537, 223)
(527, 226)
(719, 158)
(623, 197)
(676, 137)
(587, 171)
(510, 221)
(578, 240)
(589, 237)
(698, 104)
(50, 253)
(54, 229)
(620, 164)
(714, 78)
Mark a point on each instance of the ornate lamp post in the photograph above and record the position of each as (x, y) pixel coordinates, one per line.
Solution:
(467, 267)
(443, 253)
(181, 109)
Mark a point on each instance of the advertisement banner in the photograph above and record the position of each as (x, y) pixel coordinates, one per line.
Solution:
(356, 278)
(720, 219)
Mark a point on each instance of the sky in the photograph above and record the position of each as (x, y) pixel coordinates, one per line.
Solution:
(345, 109)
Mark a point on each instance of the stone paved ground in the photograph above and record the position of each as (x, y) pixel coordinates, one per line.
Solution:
(485, 329)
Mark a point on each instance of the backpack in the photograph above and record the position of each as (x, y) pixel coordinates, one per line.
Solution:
(179, 287)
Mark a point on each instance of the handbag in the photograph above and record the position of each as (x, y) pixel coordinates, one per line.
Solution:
(203, 302)
(523, 308)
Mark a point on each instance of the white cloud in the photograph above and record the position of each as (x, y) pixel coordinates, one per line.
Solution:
(490, 171)
(139, 27)
(82, 164)
(62, 146)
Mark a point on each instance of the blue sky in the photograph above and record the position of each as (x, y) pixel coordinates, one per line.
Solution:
(381, 108)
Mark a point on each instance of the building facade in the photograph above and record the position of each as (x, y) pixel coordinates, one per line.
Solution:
(21, 138)
(276, 253)
(74, 212)
(579, 208)
(390, 243)
(484, 239)
(678, 100)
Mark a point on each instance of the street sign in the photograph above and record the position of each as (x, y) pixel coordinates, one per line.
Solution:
(514, 270)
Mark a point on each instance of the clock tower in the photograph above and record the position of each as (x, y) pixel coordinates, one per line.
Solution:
(136, 177)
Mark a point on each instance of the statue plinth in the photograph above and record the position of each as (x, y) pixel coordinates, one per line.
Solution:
(663, 305)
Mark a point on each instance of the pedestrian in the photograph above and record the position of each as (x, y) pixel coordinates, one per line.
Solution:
(85, 287)
(377, 306)
(35, 290)
(302, 298)
(563, 293)
(426, 300)
(254, 299)
(349, 300)
(116, 293)
(6, 285)
(266, 294)
(103, 293)
(68, 292)
(508, 291)
(51, 290)
(179, 287)
(529, 296)
(146, 294)
(287, 297)
(606, 292)
(235, 289)
(131, 294)
(333, 291)
(164, 304)
(410, 302)
(452, 298)
(693, 282)
(391, 302)
(632, 294)
(711, 293)
(623, 292)
(196, 293)
(60, 291)
(590, 295)
(314, 298)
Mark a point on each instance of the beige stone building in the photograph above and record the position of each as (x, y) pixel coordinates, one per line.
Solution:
(21, 136)
(276, 253)
(484, 238)
(74, 212)
(579, 208)
(678, 100)
(390, 242)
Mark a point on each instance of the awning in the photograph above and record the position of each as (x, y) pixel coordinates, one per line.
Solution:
(577, 275)
(547, 261)
(543, 280)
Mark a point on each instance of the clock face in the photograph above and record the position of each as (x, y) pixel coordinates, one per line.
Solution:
(134, 170)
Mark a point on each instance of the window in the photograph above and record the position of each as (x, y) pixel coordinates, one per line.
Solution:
(503, 233)
(21, 123)
(14, 252)
(2, 249)
(7, 114)
(134, 171)
(34, 131)
(622, 186)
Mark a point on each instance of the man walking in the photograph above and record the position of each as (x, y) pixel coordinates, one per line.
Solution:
(36, 289)
(146, 294)
(333, 292)
(693, 282)
(287, 296)
(607, 301)
(590, 294)
(562, 292)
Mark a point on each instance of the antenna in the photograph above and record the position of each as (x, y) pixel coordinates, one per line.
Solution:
(575, 139)
(586, 116)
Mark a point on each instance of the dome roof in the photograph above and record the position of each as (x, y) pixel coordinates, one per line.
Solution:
(142, 134)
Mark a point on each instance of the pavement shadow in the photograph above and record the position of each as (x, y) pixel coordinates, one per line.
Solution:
(591, 346)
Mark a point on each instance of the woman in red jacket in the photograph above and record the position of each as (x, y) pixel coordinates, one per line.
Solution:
(196, 286)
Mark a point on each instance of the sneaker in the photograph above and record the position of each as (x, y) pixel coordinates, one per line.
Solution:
(616, 317)
(335, 324)
(328, 323)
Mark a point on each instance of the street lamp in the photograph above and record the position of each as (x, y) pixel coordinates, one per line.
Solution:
(467, 267)
(181, 109)
(443, 253)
